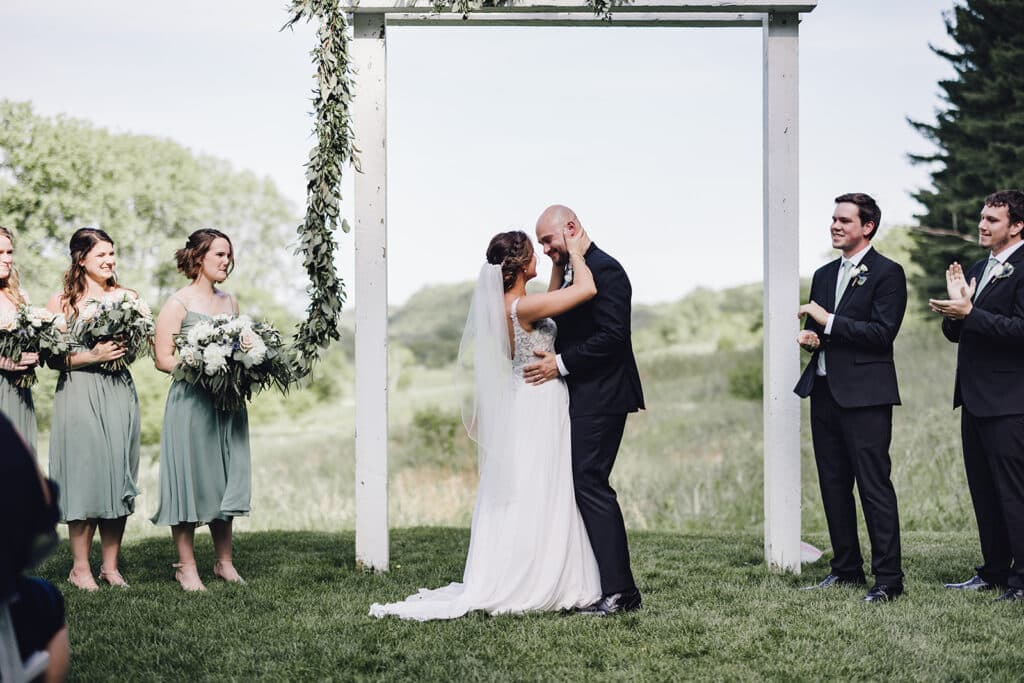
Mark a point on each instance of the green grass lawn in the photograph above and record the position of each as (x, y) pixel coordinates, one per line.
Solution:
(711, 612)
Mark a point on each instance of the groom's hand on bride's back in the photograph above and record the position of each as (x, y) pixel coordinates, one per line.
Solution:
(543, 370)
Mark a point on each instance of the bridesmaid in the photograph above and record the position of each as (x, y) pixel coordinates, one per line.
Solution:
(94, 439)
(204, 452)
(15, 403)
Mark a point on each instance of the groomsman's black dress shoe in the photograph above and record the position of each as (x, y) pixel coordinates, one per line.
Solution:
(884, 592)
(836, 580)
(975, 583)
(616, 603)
(1012, 595)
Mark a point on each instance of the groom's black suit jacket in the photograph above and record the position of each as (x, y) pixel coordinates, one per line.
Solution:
(858, 352)
(595, 344)
(990, 357)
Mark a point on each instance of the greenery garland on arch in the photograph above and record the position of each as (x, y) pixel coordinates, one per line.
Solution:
(334, 147)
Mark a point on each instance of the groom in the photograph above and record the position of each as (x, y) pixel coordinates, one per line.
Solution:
(595, 355)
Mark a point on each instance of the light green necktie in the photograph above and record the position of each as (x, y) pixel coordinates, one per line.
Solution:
(845, 268)
(844, 279)
(987, 275)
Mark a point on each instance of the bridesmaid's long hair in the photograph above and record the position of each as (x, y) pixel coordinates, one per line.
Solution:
(11, 287)
(190, 257)
(79, 247)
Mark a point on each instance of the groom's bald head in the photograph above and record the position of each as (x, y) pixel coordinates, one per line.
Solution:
(549, 231)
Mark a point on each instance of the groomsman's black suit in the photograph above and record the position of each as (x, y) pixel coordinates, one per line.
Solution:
(990, 391)
(604, 385)
(851, 412)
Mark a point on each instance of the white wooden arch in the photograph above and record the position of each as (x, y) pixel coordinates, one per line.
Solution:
(779, 22)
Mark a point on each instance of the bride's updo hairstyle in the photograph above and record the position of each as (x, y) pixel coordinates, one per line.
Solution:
(512, 251)
(190, 257)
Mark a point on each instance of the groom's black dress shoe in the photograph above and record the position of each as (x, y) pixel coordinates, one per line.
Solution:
(616, 603)
(975, 583)
(884, 592)
(1012, 595)
(836, 580)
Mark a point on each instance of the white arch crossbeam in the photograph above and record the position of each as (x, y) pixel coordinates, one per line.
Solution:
(665, 6)
(779, 22)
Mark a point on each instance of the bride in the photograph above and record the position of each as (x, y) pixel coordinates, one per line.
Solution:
(528, 548)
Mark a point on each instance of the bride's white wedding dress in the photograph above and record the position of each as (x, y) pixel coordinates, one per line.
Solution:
(528, 548)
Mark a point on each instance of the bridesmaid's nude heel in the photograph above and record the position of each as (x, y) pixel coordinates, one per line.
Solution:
(187, 575)
(226, 572)
(113, 577)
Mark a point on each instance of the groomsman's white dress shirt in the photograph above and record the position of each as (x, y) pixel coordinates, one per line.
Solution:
(853, 262)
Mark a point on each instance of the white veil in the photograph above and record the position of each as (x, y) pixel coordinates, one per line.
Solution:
(484, 354)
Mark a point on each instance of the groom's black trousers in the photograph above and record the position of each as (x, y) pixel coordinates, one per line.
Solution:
(595, 443)
(852, 445)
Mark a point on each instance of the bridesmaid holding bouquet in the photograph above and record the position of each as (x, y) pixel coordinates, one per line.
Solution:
(205, 475)
(94, 439)
(15, 402)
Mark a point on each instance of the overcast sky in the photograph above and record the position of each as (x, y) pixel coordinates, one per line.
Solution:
(652, 135)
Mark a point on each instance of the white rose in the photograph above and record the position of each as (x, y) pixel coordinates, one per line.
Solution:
(90, 310)
(202, 331)
(190, 356)
(256, 354)
(216, 358)
(142, 307)
(42, 314)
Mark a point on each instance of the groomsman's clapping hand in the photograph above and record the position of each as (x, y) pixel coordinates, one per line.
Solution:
(958, 306)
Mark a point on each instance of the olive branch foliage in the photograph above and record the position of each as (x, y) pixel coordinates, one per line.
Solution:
(332, 97)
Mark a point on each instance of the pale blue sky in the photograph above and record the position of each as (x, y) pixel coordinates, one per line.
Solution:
(652, 135)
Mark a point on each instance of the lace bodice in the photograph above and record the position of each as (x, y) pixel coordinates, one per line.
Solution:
(542, 338)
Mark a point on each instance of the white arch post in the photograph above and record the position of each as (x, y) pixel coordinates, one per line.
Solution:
(779, 22)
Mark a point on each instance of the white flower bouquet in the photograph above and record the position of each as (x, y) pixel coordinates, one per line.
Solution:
(124, 318)
(232, 358)
(31, 330)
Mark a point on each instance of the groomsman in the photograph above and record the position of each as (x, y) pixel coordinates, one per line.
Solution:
(856, 308)
(984, 314)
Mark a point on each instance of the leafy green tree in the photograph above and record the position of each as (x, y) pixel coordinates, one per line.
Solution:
(979, 134)
(59, 174)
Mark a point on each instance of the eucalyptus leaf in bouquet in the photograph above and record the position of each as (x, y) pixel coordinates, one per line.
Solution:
(124, 318)
(30, 329)
(232, 358)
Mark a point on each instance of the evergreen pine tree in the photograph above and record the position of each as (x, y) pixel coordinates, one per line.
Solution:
(980, 134)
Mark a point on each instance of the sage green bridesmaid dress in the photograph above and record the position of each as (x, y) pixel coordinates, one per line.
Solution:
(16, 404)
(205, 471)
(94, 443)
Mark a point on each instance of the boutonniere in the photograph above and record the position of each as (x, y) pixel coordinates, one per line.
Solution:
(859, 275)
(1001, 271)
(567, 278)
